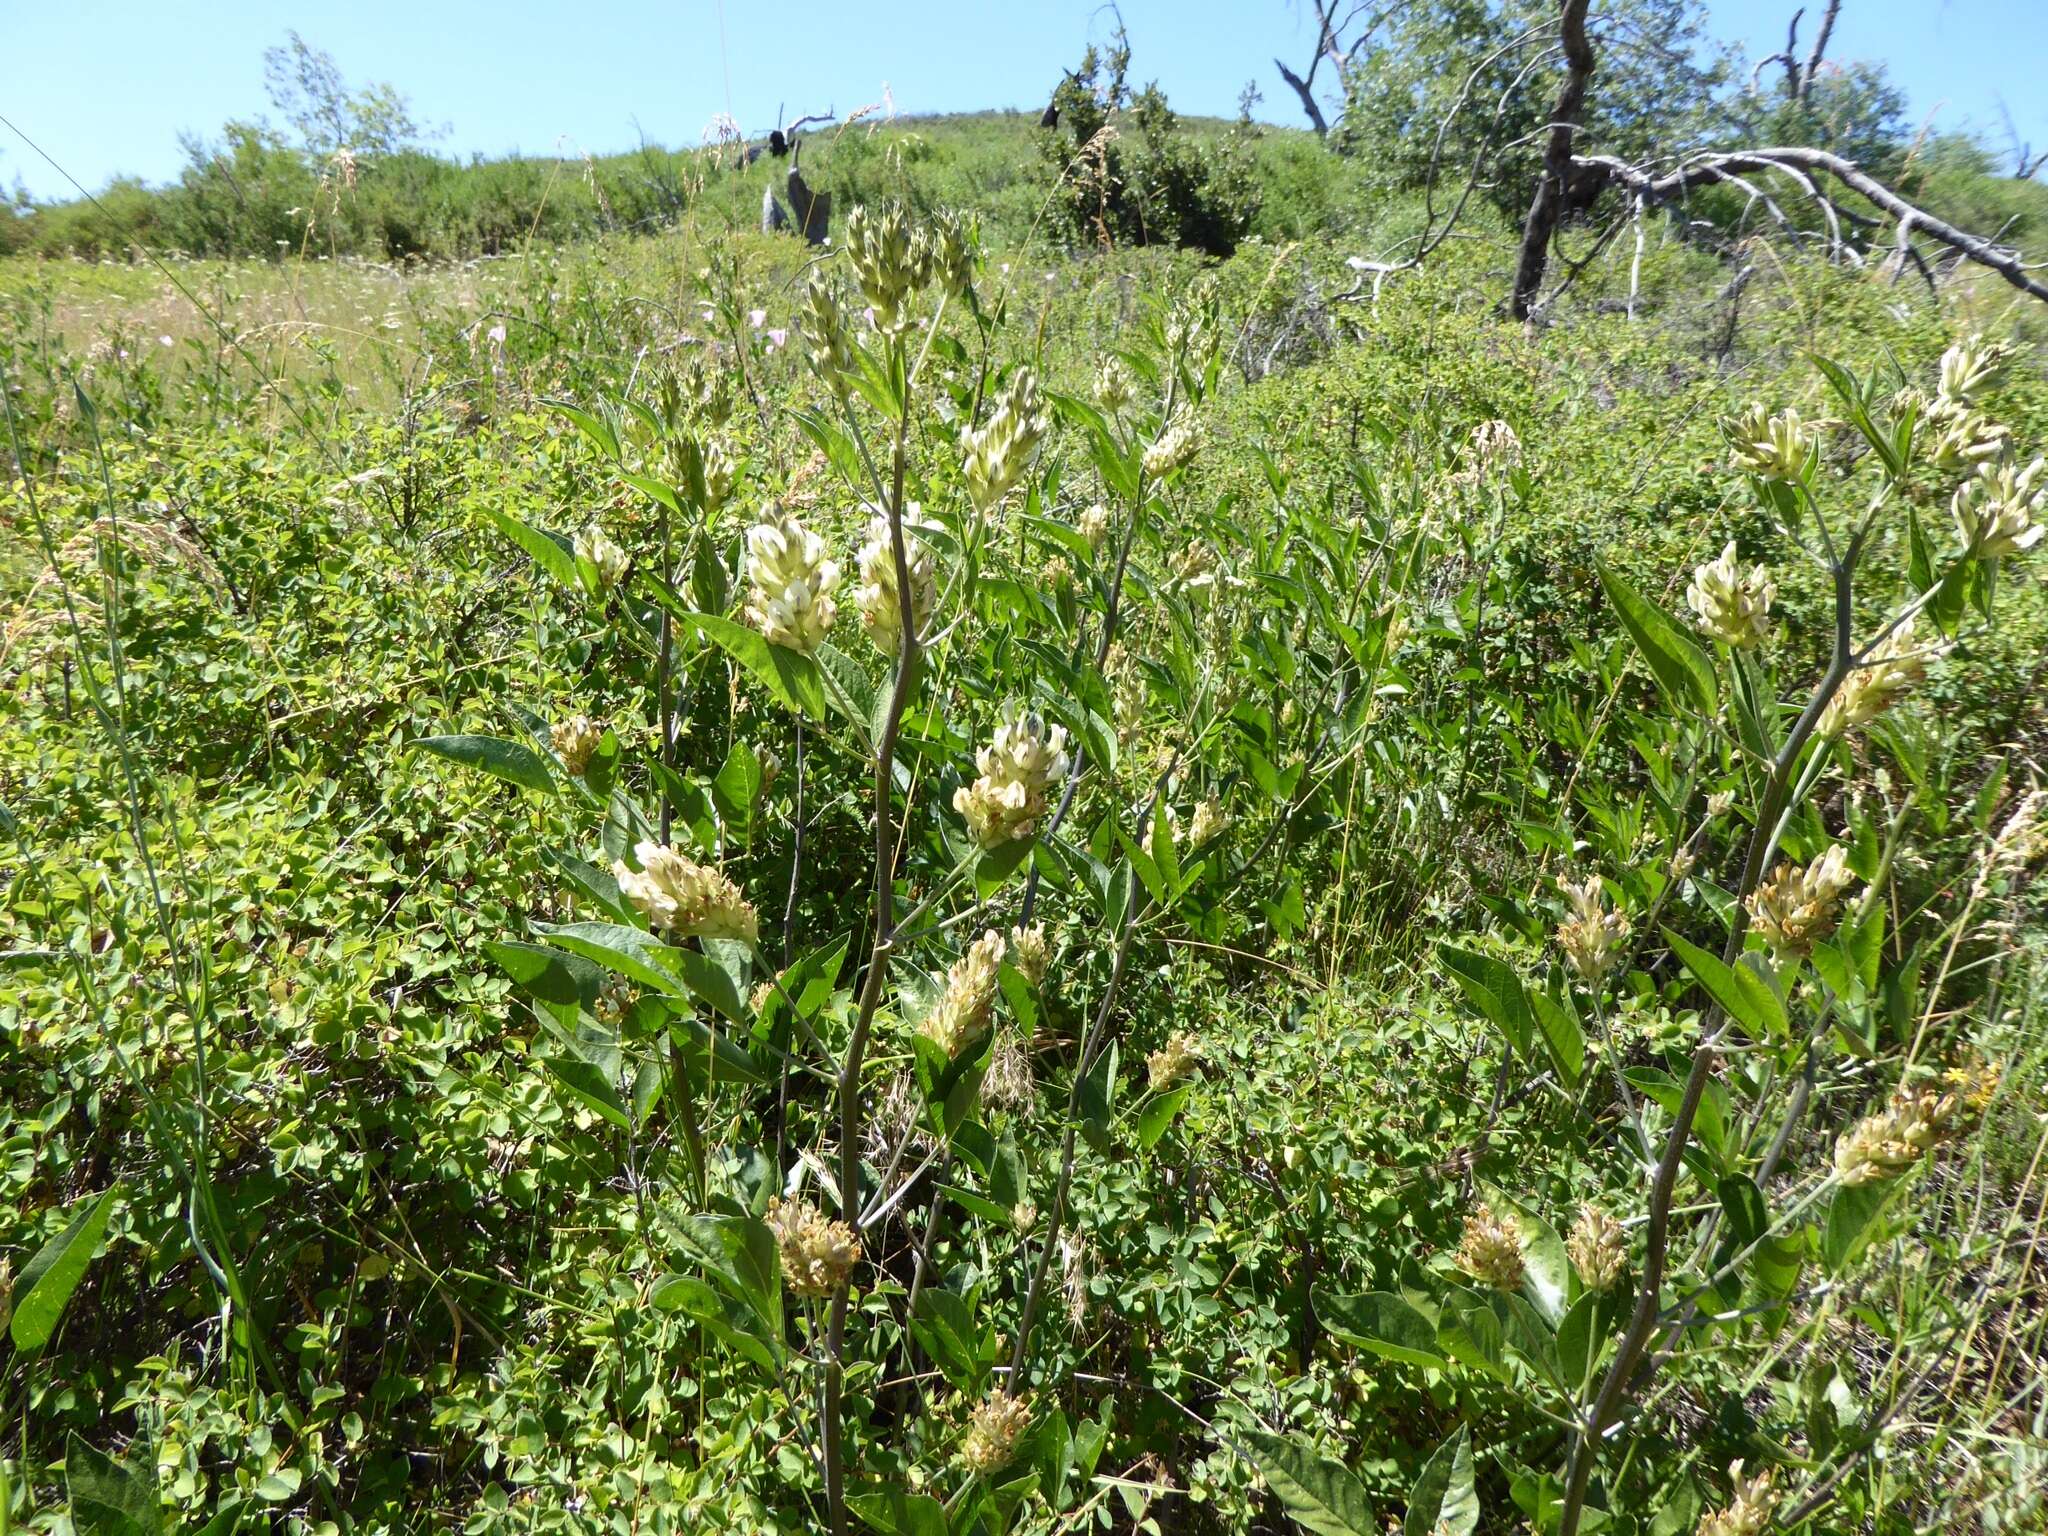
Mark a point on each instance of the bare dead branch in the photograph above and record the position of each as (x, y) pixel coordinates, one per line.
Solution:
(1547, 206)
(1820, 48)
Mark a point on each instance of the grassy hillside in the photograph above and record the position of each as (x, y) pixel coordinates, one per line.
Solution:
(392, 1150)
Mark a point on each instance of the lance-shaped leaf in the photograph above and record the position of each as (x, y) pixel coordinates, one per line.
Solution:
(1681, 668)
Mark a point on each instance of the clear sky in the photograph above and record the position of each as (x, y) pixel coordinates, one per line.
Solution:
(107, 86)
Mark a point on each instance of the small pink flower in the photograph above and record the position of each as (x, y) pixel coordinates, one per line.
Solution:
(869, 315)
(497, 334)
(757, 318)
(776, 338)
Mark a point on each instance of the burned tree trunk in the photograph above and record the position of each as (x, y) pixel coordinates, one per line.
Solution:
(1552, 187)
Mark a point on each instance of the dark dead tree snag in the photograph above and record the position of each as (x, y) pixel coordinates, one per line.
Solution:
(1553, 186)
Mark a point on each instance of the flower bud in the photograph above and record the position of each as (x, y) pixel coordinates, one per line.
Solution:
(1733, 607)
(1968, 366)
(1094, 525)
(827, 344)
(995, 457)
(1208, 822)
(1029, 952)
(886, 263)
(1115, 385)
(720, 474)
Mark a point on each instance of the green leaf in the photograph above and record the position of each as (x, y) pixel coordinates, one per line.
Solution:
(896, 1513)
(1851, 1216)
(1158, 1114)
(1745, 996)
(511, 761)
(1097, 1098)
(1321, 1495)
(551, 552)
(594, 427)
(1381, 1322)
(1493, 988)
(109, 1497)
(587, 1083)
(848, 688)
(1443, 1500)
(1681, 668)
(49, 1278)
(1563, 1036)
(943, 1326)
(791, 678)
(630, 952)
(551, 975)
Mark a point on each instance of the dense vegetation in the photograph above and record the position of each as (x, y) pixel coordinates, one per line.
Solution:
(1001, 885)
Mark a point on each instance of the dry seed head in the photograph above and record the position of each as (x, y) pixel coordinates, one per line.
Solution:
(1749, 1513)
(1172, 1062)
(609, 559)
(1592, 936)
(1598, 1249)
(1796, 908)
(817, 1254)
(2002, 510)
(1491, 1251)
(680, 897)
(1894, 667)
(961, 1015)
(1729, 604)
(1770, 447)
(881, 611)
(575, 740)
(1024, 760)
(791, 578)
(996, 1426)
(1008, 1083)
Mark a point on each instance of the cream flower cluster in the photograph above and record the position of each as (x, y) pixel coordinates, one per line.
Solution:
(1749, 1513)
(881, 611)
(1025, 759)
(885, 262)
(2002, 509)
(791, 578)
(828, 346)
(680, 897)
(1172, 1062)
(1029, 952)
(1115, 385)
(608, 558)
(1174, 447)
(994, 1430)
(1491, 1250)
(961, 1015)
(1796, 908)
(575, 740)
(1598, 1249)
(1770, 447)
(1592, 936)
(1883, 1146)
(1867, 692)
(995, 458)
(817, 1254)
(1732, 605)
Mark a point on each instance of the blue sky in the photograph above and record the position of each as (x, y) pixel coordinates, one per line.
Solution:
(107, 86)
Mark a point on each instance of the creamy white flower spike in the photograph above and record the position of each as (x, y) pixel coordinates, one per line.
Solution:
(1592, 937)
(1174, 447)
(1730, 604)
(1094, 525)
(1796, 908)
(1894, 667)
(608, 558)
(1770, 447)
(995, 457)
(1968, 366)
(961, 1015)
(2002, 510)
(681, 898)
(792, 577)
(1025, 759)
(881, 611)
